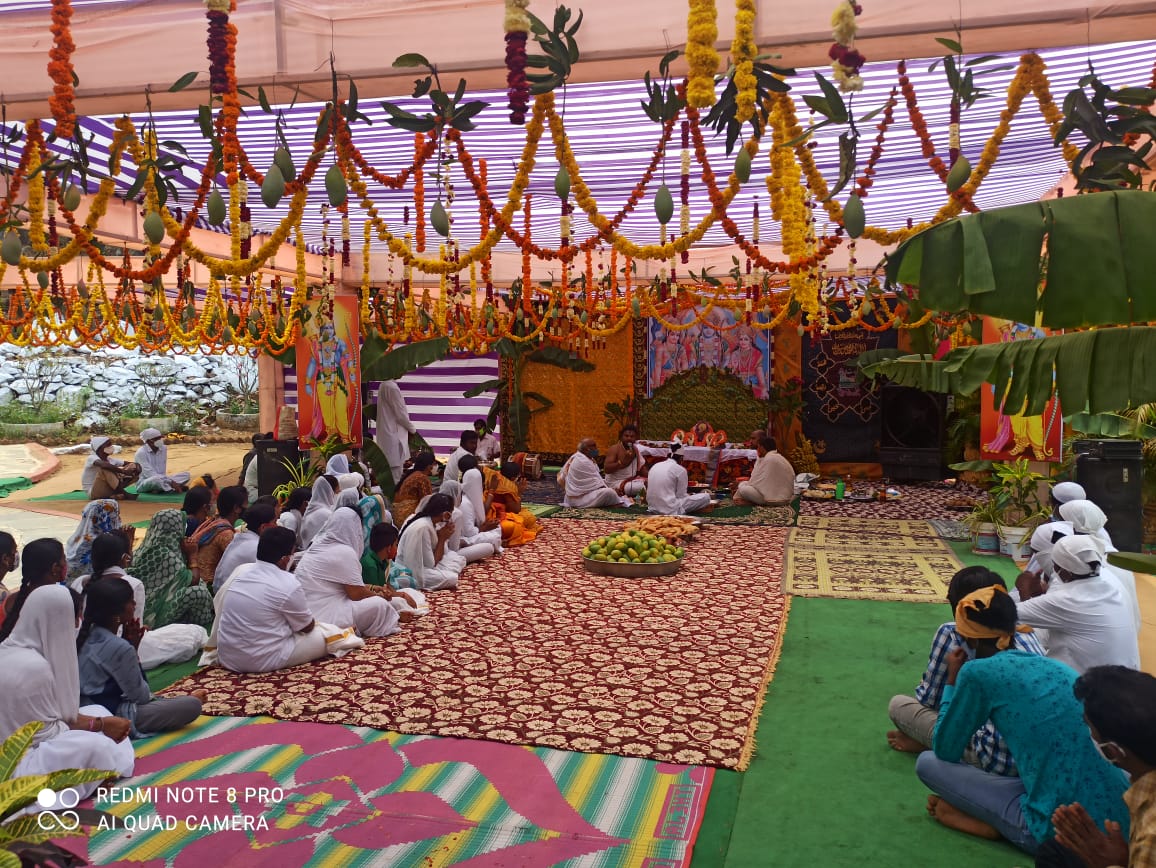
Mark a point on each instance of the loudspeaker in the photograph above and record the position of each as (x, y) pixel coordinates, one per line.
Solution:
(271, 472)
(911, 440)
(1111, 472)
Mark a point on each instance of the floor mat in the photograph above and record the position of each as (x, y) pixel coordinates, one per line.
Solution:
(881, 563)
(10, 484)
(534, 650)
(918, 501)
(541, 510)
(171, 497)
(767, 516)
(951, 529)
(257, 792)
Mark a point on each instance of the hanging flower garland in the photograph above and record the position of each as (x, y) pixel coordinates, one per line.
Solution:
(743, 53)
(845, 60)
(60, 70)
(701, 35)
(517, 33)
(218, 15)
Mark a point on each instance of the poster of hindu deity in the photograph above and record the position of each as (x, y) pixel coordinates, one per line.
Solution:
(1004, 437)
(329, 373)
(711, 340)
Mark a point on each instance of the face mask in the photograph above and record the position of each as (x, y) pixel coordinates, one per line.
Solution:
(593, 453)
(1100, 748)
(16, 561)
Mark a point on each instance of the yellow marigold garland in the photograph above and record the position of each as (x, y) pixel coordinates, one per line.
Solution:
(701, 35)
(743, 53)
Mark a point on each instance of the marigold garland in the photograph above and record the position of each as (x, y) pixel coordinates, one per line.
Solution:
(743, 53)
(703, 59)
(62, 101)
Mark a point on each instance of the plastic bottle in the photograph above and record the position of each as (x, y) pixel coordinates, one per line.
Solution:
(840, 487)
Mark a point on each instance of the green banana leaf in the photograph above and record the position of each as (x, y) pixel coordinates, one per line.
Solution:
(1078, 261)
(373, 456)
(1099, 371)
(1110, 425)
(380, 361)
(559, 358)
(1133, 561)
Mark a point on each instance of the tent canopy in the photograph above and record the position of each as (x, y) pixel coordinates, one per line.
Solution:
(122, 45)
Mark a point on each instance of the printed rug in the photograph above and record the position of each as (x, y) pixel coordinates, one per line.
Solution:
(727, 513)
(257, 792)
(869, 559)
(532, 649)
(80, 494)
(920, 500)
(951, 529)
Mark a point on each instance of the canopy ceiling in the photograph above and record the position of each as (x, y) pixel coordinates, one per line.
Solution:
(614, 141)
(122, 45)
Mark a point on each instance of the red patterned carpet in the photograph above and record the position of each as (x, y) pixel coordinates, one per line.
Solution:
(534, 650)
(920, 500)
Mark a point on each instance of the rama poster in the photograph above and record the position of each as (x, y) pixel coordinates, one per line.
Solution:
(1003, 437)
(329, 373)
(711, 340)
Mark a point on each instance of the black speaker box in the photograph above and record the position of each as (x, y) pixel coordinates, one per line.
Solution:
(911, 439)
(271, 472)
(1111, 472)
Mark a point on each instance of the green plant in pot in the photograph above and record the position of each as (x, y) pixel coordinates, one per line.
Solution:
(982, 523)
(1016, 492)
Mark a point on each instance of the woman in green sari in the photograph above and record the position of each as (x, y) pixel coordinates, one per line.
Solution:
(173, 593)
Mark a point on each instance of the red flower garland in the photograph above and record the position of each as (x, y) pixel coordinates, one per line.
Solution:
(517, 88)
(60, 69)
(218, 42)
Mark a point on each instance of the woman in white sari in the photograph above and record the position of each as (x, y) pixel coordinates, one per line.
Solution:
(321, 504)
(468, 540)
(330, 574)
(40, 681)
(423, 545)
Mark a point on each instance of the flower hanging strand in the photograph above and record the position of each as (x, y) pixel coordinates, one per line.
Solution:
(517, 32)
(701, 34)
(60, 70)
(845, 60)
(743, 53)
(218, 15)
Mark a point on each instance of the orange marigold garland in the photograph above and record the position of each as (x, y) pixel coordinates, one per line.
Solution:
(60, 70)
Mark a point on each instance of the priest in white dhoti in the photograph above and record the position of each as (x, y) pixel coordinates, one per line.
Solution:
(666, 488)
(393, 427)
(583, 482)
(153, 458)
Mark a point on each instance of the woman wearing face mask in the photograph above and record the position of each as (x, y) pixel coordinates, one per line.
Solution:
(1088, 618)
(1030, 701)
(423, 546)
(9, 561)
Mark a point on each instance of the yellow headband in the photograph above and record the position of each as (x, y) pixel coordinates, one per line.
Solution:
(978, 601)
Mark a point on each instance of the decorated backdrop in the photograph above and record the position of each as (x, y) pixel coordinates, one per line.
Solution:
(708, 337)
(1003, 437)
(329, 372)
(841, 415)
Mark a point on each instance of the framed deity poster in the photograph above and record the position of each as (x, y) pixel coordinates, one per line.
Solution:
(702, 337)
(329, 373)
(1006, 436)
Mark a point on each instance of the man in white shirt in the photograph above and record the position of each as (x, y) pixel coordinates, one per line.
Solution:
(489, 449)
(153, 458)
(265, 623)
(242, 549)
(103, 476)
(666, 487)
(1088, 617)
(583, 482)
(772, 478)
(467, 445)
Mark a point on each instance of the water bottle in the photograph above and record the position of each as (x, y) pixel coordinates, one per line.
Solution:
(840, 488)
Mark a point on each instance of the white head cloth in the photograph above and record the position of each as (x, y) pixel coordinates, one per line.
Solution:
(1084, 515)
(150, 434)
(338, 464)
(335, 552)
(1044, 538)
(47, 627)
(1063, 492)
(1078, 554)
(99, 442)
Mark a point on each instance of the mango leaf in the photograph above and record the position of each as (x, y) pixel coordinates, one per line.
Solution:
(1087, 252)
(379, 361)
(183, 82)
(950, 44)
(406, 61)
(979, 466)
(1134, 562)
(834, 99)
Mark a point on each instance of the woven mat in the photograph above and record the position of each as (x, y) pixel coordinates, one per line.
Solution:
(882, 561)
(534, 650)
(951, 529)
(767, 516)
(357, 796)
(919, 501)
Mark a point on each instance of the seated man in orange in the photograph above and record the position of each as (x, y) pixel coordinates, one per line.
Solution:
(504, 491)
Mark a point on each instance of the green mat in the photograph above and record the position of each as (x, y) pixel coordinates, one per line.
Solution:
(170, 673)
(10, 484)
(541, 510)
(171, 497)
(824, 788)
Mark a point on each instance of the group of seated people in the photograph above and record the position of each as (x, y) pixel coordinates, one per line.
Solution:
(106, 477)
(1030, 698)
(665, 483)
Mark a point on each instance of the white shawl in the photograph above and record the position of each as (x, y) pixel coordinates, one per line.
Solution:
(585, 486)
(317, 513)
(474, 491)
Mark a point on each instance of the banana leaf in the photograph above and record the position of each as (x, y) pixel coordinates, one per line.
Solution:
(379, 464)
(1111, 425)
(1077, 261)
(1099, 371)
(380, 361)
(1133, 561)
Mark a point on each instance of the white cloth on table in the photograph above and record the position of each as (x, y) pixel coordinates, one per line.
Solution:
(332, 564)
(317, 514)
(584, 485)
(154, 475)
(666, 490)
(416, 550)
(242, 549)
(452, 471)
(393, 427)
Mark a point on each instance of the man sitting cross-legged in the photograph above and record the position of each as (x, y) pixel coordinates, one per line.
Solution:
(915, 716)
(584, 485)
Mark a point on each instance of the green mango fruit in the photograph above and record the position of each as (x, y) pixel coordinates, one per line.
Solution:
(283, 160)
(743, 166)
(960, 172)
(854, 218)
(154, 227)
(11, 247)
(335, 186)
(42, 279)
(562, 183)
(273, 187)
(440, 220)
(663, 204)
(72, 197)
(216, 208)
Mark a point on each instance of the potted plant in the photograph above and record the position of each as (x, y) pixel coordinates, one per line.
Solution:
(1016, 492)
(983, 523)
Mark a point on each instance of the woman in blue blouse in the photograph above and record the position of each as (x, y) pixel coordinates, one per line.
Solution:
(110, 671)
(1030, 700)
